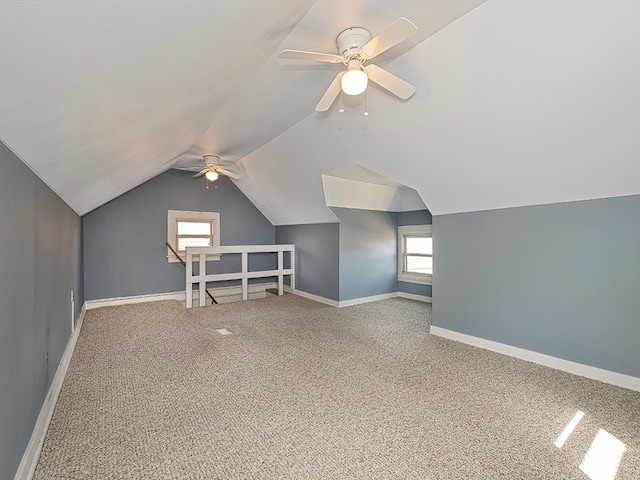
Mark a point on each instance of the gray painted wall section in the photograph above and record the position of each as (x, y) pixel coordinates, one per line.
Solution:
(317, 256)
(124, 240)
(415, 288)
(368, 252)
(354, 258)
(558, 279)
(40, 263)
(415, 217)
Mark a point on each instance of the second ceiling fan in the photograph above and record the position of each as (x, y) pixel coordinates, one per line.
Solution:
(356, 47)
(212, 168)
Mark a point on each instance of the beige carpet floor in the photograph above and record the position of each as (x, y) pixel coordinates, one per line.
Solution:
(305, 391)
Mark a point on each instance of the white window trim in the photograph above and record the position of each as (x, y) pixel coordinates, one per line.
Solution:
(174, 215)
(420, 278)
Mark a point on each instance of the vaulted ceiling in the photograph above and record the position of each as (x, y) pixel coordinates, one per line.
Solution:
(517, 103)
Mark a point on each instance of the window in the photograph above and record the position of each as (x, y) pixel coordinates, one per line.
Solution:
(415, 254)
(192, 229)
(193, 233)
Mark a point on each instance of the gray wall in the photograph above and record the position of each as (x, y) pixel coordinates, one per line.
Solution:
(414, 217)
(317, 256)
(40, 263)
(354, 258)
(124, 240)
(558, 279)
(368, 252)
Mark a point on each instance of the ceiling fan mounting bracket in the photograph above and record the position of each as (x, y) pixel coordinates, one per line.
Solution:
(351, 40)
(211, 159)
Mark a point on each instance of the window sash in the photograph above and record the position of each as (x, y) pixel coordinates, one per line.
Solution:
(207, 223)
(182, 244)
(406, 242)
(405, 261)
(207, 239)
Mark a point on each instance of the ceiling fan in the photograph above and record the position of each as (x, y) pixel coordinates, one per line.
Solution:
(212, 169)
(356, 47)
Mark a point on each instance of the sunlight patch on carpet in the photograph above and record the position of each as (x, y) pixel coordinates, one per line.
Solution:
(603, 458)
(568, 430)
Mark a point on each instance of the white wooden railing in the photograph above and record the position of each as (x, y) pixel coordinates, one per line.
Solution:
(199, 255)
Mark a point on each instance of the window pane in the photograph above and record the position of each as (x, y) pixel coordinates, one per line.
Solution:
(420, 264)
(193, 242)
(194, 228)
(422, 245)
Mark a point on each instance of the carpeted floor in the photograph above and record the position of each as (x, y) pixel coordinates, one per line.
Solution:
(303, 390)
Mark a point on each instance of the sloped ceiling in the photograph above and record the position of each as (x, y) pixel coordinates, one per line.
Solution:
(517, 103)
(98, 97)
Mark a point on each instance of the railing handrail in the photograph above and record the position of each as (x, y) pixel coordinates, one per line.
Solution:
(240, 249)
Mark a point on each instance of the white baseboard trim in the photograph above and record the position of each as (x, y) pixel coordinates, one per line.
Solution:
(594, 373)
(31, 455)
(153, 297)
(255, 289)
(413, 296)
(361, 300)
(311, 296)
(220, 292)
(357, 301)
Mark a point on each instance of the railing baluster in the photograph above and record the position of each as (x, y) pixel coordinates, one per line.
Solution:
(189, 286)
(202, 272)
(280, 274)
(245, 280)
(292, 266)
(201, 253)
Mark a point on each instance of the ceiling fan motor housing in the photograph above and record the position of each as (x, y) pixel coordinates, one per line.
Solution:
(351, 40)
(211, 160)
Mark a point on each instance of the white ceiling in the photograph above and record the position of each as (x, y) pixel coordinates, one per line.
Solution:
(98, 97)
(517, 103)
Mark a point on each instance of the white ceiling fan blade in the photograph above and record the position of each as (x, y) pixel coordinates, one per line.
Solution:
(226, 161)
(186, 159)
(395, 33)
(191, 156)
(226, 172)
(390, 82)
(313, 56)
(201, 172)
(195, 168)
(330, 95)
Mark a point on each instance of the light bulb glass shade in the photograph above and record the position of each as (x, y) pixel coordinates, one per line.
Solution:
(354, 81)
(211, 175)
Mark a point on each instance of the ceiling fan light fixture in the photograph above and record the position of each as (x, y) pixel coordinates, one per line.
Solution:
(211, 175)
(354, 81)
(355, 48)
